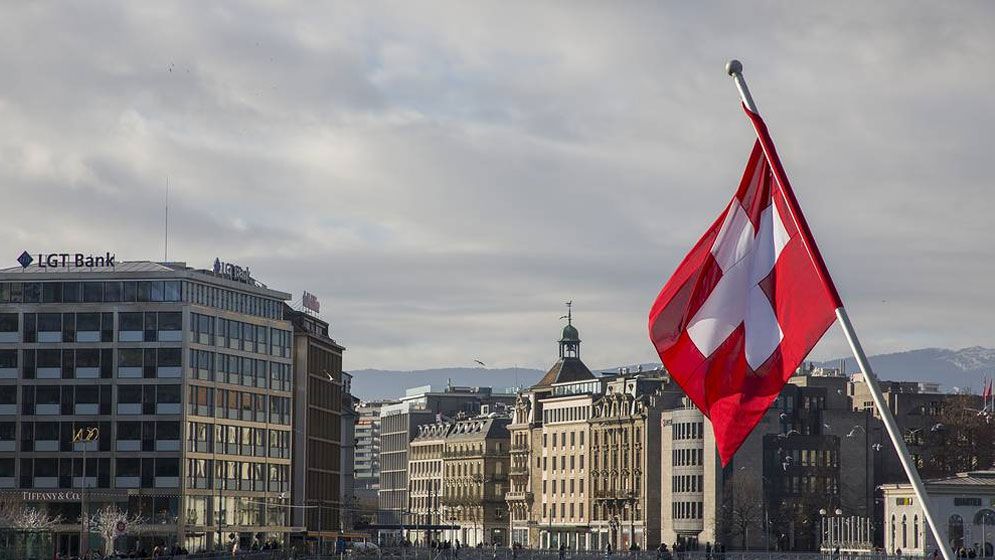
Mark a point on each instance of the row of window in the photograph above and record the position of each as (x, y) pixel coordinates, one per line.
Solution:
(240, 370)
(237, 440)
(613, 436)
(129, 436)
(810, 457)
(238, 405)
(565, 513)
(563, 486)
(564, 462)
(239, 335)
(688, 430)
(574, 439)
(140, 291)
(92, 399)
(807, 485)
(616, 460)
(687, 510)
(687, 483)
(237, 475)
(89, 292)
(688, 457)
(571, 414)
(129, 472)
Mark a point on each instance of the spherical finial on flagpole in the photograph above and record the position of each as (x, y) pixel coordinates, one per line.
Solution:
(734, 67)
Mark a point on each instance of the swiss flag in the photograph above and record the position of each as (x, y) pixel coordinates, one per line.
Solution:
(747, 304)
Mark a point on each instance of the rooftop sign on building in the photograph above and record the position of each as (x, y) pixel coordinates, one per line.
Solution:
(233, 272)
(311, 303)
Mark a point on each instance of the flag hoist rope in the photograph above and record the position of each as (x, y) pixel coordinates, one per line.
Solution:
(735, 69)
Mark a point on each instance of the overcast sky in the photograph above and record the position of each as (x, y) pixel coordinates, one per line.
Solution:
(445, 175)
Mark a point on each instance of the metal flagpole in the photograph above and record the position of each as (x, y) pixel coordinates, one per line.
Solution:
(735, 69)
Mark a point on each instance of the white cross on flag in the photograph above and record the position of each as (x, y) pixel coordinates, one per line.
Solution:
(747, 304)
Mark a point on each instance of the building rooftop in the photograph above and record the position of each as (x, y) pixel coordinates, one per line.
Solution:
(565, 370)
(122, 266)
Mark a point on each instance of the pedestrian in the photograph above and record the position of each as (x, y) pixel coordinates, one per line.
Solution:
(563, 551)
(608, 550)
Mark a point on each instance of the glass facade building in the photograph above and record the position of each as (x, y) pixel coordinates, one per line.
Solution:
(185, 373)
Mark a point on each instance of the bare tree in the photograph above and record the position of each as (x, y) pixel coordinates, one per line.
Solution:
(745, 510)
(110, 523)
(15, 515)
(959, 440)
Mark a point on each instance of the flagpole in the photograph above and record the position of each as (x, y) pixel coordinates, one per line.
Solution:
(735, 69)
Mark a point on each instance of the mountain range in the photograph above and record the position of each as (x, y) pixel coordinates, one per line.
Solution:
(953, 369)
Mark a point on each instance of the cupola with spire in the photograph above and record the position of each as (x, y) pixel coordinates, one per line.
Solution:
(570, 340)
(569, 367)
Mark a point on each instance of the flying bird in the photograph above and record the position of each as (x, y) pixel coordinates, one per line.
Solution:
(936, 427)
(854, 430)
(876, 447)
(481, 363)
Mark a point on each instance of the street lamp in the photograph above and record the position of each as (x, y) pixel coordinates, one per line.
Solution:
(84, 436)
(834, 542)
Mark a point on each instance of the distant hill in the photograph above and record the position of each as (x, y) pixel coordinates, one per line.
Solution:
(371, 384)
(962, 368)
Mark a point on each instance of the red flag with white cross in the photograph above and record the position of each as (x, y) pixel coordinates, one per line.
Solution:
(747, 304)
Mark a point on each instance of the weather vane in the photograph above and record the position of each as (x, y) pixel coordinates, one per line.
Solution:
(569, 315)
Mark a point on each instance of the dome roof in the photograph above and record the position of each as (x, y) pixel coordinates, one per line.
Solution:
(570, 334)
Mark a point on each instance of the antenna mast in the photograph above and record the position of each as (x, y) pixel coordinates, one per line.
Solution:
(165, 247)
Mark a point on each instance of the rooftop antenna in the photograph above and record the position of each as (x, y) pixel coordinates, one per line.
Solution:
(165, 245)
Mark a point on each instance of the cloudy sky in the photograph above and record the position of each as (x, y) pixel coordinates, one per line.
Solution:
(445, 175)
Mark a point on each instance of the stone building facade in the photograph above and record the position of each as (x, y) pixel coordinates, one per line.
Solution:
(425, 472)
(475, 467)
(584, 456)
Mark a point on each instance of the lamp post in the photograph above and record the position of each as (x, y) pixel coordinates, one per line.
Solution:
(84, 436)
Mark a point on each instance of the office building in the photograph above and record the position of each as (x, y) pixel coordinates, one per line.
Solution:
(186, 375)
(399, 425)
(319, 397)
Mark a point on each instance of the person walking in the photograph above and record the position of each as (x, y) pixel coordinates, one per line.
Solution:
(563, 552)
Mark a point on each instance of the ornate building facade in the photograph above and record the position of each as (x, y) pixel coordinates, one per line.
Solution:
(583, 473)
(475, 467)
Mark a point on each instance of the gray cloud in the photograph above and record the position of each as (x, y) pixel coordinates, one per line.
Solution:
(445, 178)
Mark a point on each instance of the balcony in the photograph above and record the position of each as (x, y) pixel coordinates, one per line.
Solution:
(520, 497)
(618, 495)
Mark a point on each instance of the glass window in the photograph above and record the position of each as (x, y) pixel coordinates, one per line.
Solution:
(171, 321)
(87, 394)
(9, 322)
(129, 291)
(167, 430)
(129, 357)
(168, 394)
(51, 292)
(93, 292)
(32, 292)
(129, 430)
(129, 467)
(88, 357)
(112, 291)
(8, 358)
(49, 322)
(171, 291)
(70, 292)
(88, 321)
(157, 291)
(130, 321)
(129, 394)
(47, 394)
(145, 291)
(49, 358)
(169, 357)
